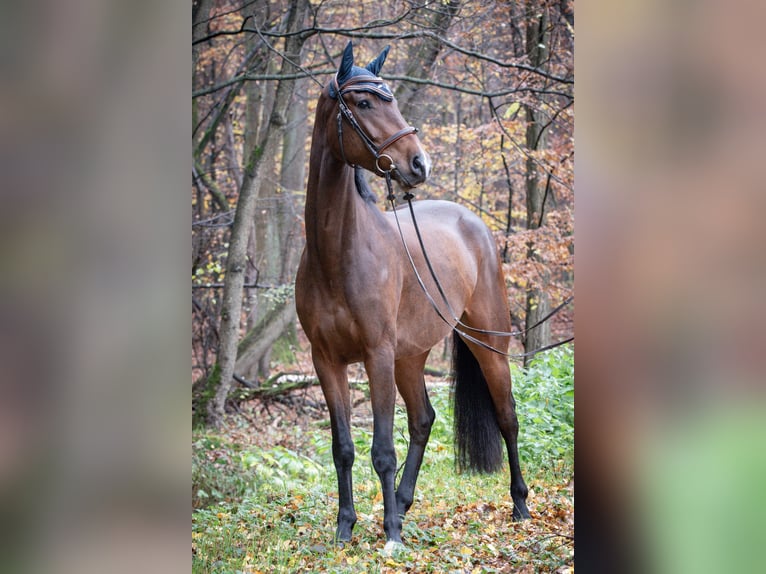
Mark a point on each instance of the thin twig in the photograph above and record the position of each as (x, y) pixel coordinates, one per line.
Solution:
(246, 285)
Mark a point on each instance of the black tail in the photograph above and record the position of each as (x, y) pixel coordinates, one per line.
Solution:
(478, 444)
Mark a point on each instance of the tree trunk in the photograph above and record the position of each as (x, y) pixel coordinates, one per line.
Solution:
(537, 303)
(200, 14)
(261, 157)
(259, 102)
(421, 57)
(258, 342)
(282, 249)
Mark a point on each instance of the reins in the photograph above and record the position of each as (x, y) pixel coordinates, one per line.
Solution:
(408, 196)
(377, 152)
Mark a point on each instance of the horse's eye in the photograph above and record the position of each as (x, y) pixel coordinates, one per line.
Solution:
(364, 105)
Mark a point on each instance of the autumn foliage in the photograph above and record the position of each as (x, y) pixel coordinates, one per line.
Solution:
(463, 74)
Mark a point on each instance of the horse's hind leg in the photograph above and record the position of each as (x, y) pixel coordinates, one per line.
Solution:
(420, 418)
(498, 375)
(334, 381)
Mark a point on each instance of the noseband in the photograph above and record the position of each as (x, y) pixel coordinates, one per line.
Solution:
(363, 84)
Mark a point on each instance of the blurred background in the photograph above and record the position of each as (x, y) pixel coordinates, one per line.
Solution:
(670, 425)
(669, 385)
(94, 450)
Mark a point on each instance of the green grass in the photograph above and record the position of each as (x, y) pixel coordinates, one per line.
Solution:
(273, 509)
(544, 396)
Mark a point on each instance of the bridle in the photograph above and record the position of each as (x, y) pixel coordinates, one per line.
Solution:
(367, 84)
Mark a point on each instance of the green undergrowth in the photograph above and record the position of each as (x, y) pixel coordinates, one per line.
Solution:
(272, 508)
(544, 396)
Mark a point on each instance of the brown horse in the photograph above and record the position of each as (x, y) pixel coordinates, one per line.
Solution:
(359, 301)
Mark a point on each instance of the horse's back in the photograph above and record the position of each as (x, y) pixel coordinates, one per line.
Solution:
(448, 230)
(438, 214)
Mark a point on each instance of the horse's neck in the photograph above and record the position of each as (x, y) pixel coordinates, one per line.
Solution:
(335, 213)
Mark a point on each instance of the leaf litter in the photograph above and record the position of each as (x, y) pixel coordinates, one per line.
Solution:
(458, 523)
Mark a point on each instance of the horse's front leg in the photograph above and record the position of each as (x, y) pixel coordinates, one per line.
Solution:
(380, 370)
(334, 381)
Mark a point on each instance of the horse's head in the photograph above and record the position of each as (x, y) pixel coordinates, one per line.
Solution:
(364, 126)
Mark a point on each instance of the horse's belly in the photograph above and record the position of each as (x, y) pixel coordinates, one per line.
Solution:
(419, 326)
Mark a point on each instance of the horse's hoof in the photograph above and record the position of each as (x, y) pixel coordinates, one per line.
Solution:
(341, 542)
(519, 515)
(392, 547)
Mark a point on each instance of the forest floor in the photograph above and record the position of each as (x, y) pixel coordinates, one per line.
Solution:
(264, 499)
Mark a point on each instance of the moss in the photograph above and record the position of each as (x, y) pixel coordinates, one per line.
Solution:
(283, 350)
(254, 158)
(202, 392)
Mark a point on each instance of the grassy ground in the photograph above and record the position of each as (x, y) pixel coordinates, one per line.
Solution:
(265, 494)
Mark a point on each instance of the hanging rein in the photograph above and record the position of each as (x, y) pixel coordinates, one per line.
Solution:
(375, 85)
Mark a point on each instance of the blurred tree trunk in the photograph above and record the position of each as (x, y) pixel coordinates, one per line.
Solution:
(537, 303)
(259, 160)
(263, 239)
(279, 241)
(421, 57)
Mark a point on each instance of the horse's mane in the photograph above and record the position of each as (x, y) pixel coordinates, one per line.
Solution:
(362, 187)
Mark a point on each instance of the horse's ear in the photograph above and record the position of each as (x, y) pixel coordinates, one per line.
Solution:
(377, 63)
(346, 63)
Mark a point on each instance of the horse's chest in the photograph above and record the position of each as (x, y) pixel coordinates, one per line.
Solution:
(338, 332)
(343, 326)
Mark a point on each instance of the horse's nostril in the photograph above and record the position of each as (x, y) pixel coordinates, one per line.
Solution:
(418, 167)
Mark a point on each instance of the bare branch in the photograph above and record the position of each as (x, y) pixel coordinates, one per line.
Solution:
(284, 56)
(213, 221)
(244, 285)
(476, 92)
(364, 32)
(375, 24)
(452, 87)
(553, 119)
(524, 150)
(218, 196)
(453, 46)
(226, 13)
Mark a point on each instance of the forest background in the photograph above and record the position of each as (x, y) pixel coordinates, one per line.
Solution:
(489, 85)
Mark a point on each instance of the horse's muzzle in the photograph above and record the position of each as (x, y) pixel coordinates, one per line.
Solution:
(419, 169)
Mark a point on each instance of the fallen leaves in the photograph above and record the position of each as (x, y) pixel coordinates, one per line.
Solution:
(458, 524)
(481, 534)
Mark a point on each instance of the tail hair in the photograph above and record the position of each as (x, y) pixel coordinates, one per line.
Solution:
(478, 443)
